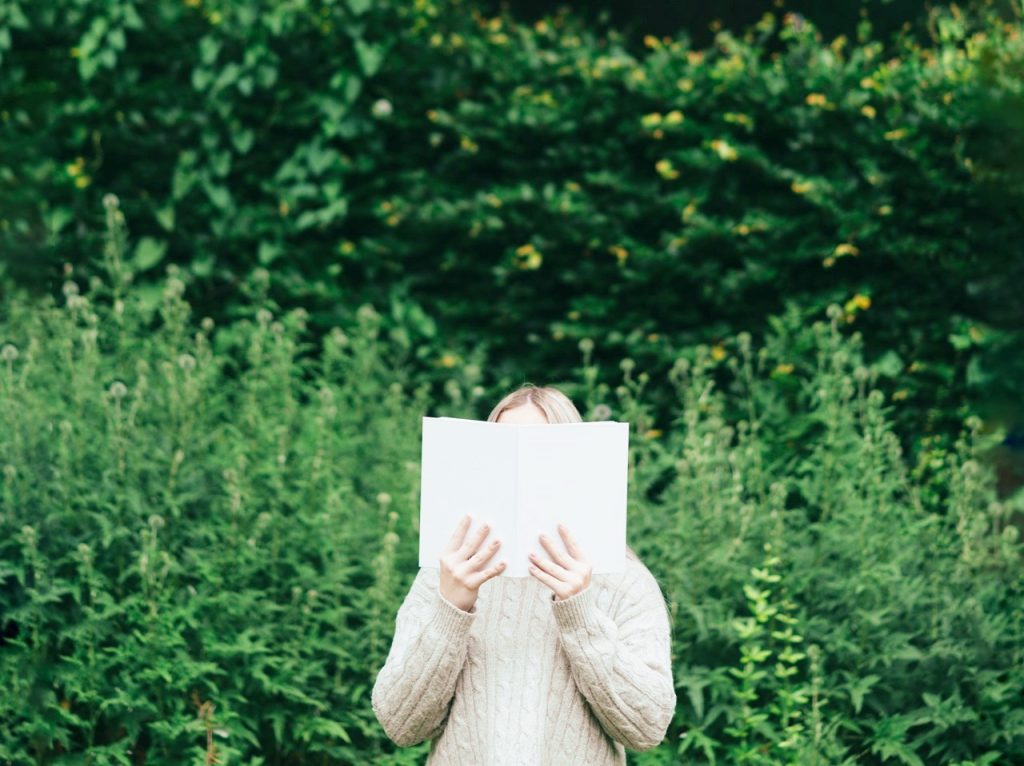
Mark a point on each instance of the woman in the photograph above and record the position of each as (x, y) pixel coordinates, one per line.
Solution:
(561, 667)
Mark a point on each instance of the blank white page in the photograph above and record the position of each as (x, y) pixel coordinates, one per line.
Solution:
(467, 466)
(574, 473)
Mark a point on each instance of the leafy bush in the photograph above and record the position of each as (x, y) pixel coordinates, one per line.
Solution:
(484, 181)
(206, 531)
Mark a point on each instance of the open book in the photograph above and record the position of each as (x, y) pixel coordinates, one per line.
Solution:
(523, 479)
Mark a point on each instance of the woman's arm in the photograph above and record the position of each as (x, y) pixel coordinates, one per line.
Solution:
(413, 691)
(622, 664)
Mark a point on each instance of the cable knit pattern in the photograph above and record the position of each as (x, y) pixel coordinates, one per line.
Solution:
(522, 679)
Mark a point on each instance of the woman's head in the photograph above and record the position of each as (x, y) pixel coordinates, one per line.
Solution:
(535, 404)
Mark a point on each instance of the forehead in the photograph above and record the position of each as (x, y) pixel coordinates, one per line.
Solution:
(523, 413)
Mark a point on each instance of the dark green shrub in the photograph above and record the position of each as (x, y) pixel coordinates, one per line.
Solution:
(490, 182)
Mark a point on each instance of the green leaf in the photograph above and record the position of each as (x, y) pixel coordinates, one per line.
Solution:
(148, 253)
(370, 57)
(165, 216)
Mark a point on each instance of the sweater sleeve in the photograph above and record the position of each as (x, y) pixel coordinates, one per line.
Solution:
(413, 691)
(622, 664)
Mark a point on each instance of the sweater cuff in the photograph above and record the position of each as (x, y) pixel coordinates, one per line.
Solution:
(449, 620)
(575, 612)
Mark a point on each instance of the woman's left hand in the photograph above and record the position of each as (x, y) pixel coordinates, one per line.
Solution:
(566, 575)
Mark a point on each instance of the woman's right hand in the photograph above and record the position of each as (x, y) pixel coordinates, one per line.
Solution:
(461, 562)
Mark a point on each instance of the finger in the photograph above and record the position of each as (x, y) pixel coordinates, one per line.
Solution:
(458, 535)
(482, 556)
(570, 543)
(547, 579)
(556, 555)
(470, 546)
(478, 579)
(550, 567)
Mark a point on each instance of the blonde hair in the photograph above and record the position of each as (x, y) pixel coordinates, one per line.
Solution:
(556, 406)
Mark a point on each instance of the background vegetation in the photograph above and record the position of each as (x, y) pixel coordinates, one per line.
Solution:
(510, 188)
(205, 535)
(789, 262)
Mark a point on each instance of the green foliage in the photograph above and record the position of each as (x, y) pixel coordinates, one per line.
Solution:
(206, 531)
(529, 186)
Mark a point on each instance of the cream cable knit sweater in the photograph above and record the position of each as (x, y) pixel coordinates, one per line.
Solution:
(524, 680)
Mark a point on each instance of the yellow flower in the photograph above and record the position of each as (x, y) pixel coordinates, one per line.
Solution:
(436, 40)
(541, 26)
(718, 352)
(724, 150)
(493, 200)
(494, 24)
(868, 111)
(650, 120)
(684, 84)
(695, 57)
(393, 219)
(783, 368)
(828, 262)
(651, 41)
(801, 187)
(858, 301)
(499, 38)
(674, 117)
(638, 74)
(868, 83)
(895, 135)
(468, 144)
(192, 3)
(527, 257)
(574, 315)
(976, 334)
(816, 99)
(845, 248)
(737, 118)
(216, 18)
(347, 247)
(82, 181)
(75, 168)
(653, 433)
(900, 395)
(658, 133)
(432, 115)
(743, 230)
(448, 360)
(666, 170)
(620, 253)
